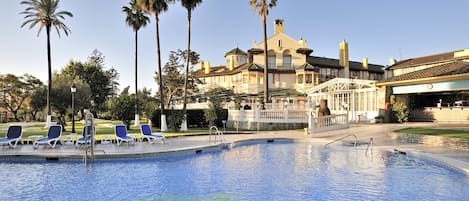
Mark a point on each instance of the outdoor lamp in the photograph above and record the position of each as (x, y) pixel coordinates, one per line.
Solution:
(73, 89)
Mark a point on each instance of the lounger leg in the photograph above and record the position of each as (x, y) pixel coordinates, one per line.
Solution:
(52, 146)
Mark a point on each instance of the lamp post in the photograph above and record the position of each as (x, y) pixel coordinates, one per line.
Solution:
(73, 89)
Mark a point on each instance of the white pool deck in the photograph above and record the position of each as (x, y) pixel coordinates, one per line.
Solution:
(453, 157)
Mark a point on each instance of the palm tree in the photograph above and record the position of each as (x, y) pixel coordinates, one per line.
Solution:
(44, 13)
(189, 5)
(156, 7)
(263, 7)
(136, 19)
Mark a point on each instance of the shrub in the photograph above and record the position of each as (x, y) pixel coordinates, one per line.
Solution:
(400, 112)
(195, 118)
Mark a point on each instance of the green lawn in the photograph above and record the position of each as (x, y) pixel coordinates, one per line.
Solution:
(104, 128)
(439, 132)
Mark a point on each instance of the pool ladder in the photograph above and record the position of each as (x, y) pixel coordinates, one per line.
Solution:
(370, 147)
(88, 149)
(216, 134)
(343, 137)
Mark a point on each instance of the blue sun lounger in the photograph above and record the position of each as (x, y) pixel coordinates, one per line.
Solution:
(13, 136)
(86, 135)
(121, 134)
(145, 130)
(53, 136)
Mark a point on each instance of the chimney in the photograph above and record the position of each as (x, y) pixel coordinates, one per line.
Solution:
(343, 58)
(302, 42)
(392, 61)
(365, 63)
(207, 67)
(278, 26)
(200, 66)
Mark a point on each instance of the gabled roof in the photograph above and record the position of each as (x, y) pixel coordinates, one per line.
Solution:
(279, 34)
(418, 61)
(334, 63)
(223, 70)
(453, 68)
(307, 66)
(236, 51)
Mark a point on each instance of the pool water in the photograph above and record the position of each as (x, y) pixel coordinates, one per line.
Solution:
(265, 171)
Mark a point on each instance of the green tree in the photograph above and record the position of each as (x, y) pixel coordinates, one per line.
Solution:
(401, 112)
(173, 79)
(263, 7)
(216, 96)
(148, 102)
(102, 82)
(121, 107)
(62, 97)
(190, 5)
(156, 7)
(16, 90)
(44, 13)
(38, 101)
(136, 19)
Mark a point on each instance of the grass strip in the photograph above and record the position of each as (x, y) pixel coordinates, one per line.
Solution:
(438, 132)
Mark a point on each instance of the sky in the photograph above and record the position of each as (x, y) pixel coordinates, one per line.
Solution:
(378, 30)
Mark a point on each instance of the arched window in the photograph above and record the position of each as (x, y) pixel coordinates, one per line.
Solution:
(271, 59)
(286, 59)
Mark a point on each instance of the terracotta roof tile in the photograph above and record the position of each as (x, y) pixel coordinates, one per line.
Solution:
(436, 58)
(453, 68)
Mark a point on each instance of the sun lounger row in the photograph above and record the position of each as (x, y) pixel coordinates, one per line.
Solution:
(14, 134)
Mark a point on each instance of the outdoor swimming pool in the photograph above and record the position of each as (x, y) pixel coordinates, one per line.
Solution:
(265, 171)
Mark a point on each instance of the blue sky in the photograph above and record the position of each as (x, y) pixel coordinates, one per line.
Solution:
(379, 30)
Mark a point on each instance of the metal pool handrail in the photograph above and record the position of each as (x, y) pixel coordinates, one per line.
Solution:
(216, 134)
(343, 137)
(370, 145)
(88, 152)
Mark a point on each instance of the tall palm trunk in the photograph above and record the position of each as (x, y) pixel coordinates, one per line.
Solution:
(160, 77)
(49, 79)
(186, 79)
(266, 67)
(136, 61)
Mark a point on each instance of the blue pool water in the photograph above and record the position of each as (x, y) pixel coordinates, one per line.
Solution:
(266, 171)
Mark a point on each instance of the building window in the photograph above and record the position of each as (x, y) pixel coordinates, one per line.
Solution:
(279, 43)
(287, 59)
(309, 78)
(299, 79)
(355, 74)
(271, 61)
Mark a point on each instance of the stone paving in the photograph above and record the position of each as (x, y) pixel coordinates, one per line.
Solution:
(379, 132)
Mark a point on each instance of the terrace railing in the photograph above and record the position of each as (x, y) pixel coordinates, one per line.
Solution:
(328, 123)
(268, 116)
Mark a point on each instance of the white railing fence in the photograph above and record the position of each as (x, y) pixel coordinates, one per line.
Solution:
(269, 116)
(327, 123)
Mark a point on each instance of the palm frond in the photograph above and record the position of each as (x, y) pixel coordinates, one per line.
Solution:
(44, 12)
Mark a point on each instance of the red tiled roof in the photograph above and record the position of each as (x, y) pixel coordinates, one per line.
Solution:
(453, 68)
(436, 58)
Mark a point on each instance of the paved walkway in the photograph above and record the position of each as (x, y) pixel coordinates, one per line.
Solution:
(363, 132)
